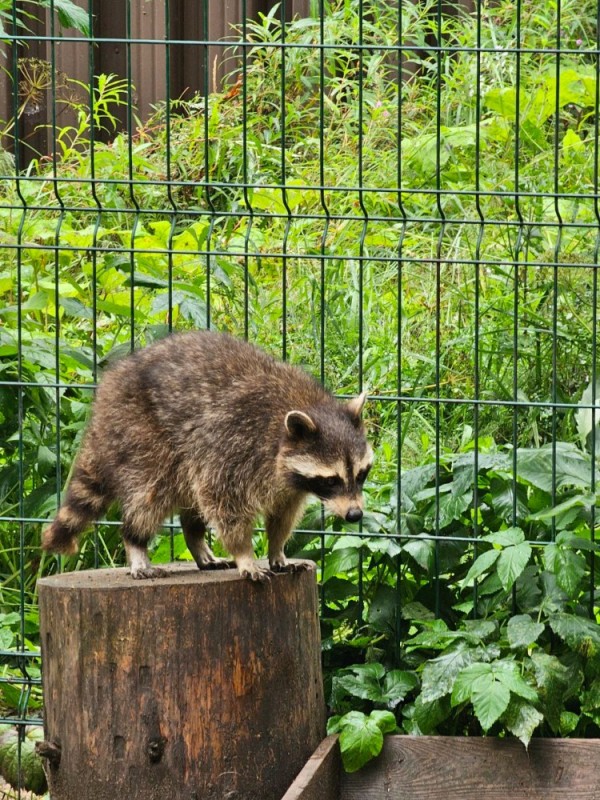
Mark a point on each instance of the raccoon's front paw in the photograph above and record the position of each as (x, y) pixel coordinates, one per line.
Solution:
(253, 571)
(144, 573)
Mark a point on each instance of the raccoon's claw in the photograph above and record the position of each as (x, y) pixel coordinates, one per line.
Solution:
(290, 566)
(257, 574)
(145, 573)
(218, 563)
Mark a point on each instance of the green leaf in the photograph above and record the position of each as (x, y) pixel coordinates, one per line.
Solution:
(556, 684)
(333, 724)
(440, 673)
(361, 739)
(521, 719)
(512, 562)
(568, 722)
(569, 568)
(488, 687)
(505, 538)
(385, 720)
(423, 552)
(340, 561)
(509, 676)
(398, 683)
(373, 670)
(573, 467)
(490, 699)
(70, 15)
(362, 687)
(31, 775)
(522, 631)
(482, 563)
(581, 634)
(428, 715)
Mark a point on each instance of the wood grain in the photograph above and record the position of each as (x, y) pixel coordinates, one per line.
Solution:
(320, 777)
(461, 768)
(199, 685)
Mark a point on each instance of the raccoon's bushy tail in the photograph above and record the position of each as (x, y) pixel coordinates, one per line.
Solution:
(86, 500)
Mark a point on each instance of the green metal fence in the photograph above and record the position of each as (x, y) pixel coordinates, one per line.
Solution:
(403, 198)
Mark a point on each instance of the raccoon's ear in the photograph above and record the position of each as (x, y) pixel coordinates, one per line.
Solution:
(355, 406)
(298, 424)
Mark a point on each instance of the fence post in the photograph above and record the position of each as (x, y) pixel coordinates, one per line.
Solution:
(197, 685)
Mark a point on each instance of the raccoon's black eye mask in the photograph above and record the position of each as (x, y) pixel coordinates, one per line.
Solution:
(323, 487)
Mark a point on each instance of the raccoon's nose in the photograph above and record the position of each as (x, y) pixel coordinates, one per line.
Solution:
(354, 515)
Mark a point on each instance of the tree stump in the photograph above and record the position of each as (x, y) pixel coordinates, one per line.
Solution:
(196, 686)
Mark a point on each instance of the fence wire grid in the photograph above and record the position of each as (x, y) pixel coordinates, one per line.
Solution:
(402, 197)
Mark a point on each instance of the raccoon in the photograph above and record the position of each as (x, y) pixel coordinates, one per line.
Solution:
(214, 428)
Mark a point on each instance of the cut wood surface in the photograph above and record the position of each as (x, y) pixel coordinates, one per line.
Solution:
(468, 768)
(196, 686)
(320, 778)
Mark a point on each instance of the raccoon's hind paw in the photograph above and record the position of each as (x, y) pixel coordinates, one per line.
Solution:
(217, 563)
(145, 573)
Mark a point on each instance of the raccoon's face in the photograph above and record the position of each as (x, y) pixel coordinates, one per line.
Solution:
(325, 453)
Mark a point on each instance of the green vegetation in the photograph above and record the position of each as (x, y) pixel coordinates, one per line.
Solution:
(483, 289)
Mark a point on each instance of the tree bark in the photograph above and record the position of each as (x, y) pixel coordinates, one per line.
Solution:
(199, 686)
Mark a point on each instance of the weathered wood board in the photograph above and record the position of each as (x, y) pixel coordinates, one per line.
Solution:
(468, 768)
(320, 777)
(195, 686)
(458, 768)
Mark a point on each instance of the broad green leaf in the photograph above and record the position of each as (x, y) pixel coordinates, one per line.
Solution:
(585, 501)
(383, 609)
(440, 673)
(333, 724)
(505, 538)
(398, 683)
(490, 699)
(423, 552)
(556, 684)
(590, 700)
(568, 722)
(581, 634)
(522, 719)
(361, 740)
(576, 542)
(385, 720)
(362, 687)
(372, 670)
(509, 676)
(428, 715)
(465, 680)
(482, 563)
(70, 15)
(340, 561)
(451, 506)
(503, 102)
(522, 631)
(512, 562)
(573, 467)
(569, 568)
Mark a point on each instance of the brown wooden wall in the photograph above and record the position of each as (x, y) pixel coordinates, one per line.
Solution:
(193, 67)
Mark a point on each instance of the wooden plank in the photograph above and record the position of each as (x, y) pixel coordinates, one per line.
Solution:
(320, 776)
(462, 768)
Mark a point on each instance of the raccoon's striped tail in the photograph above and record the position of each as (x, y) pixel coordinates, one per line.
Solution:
(86, 500)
